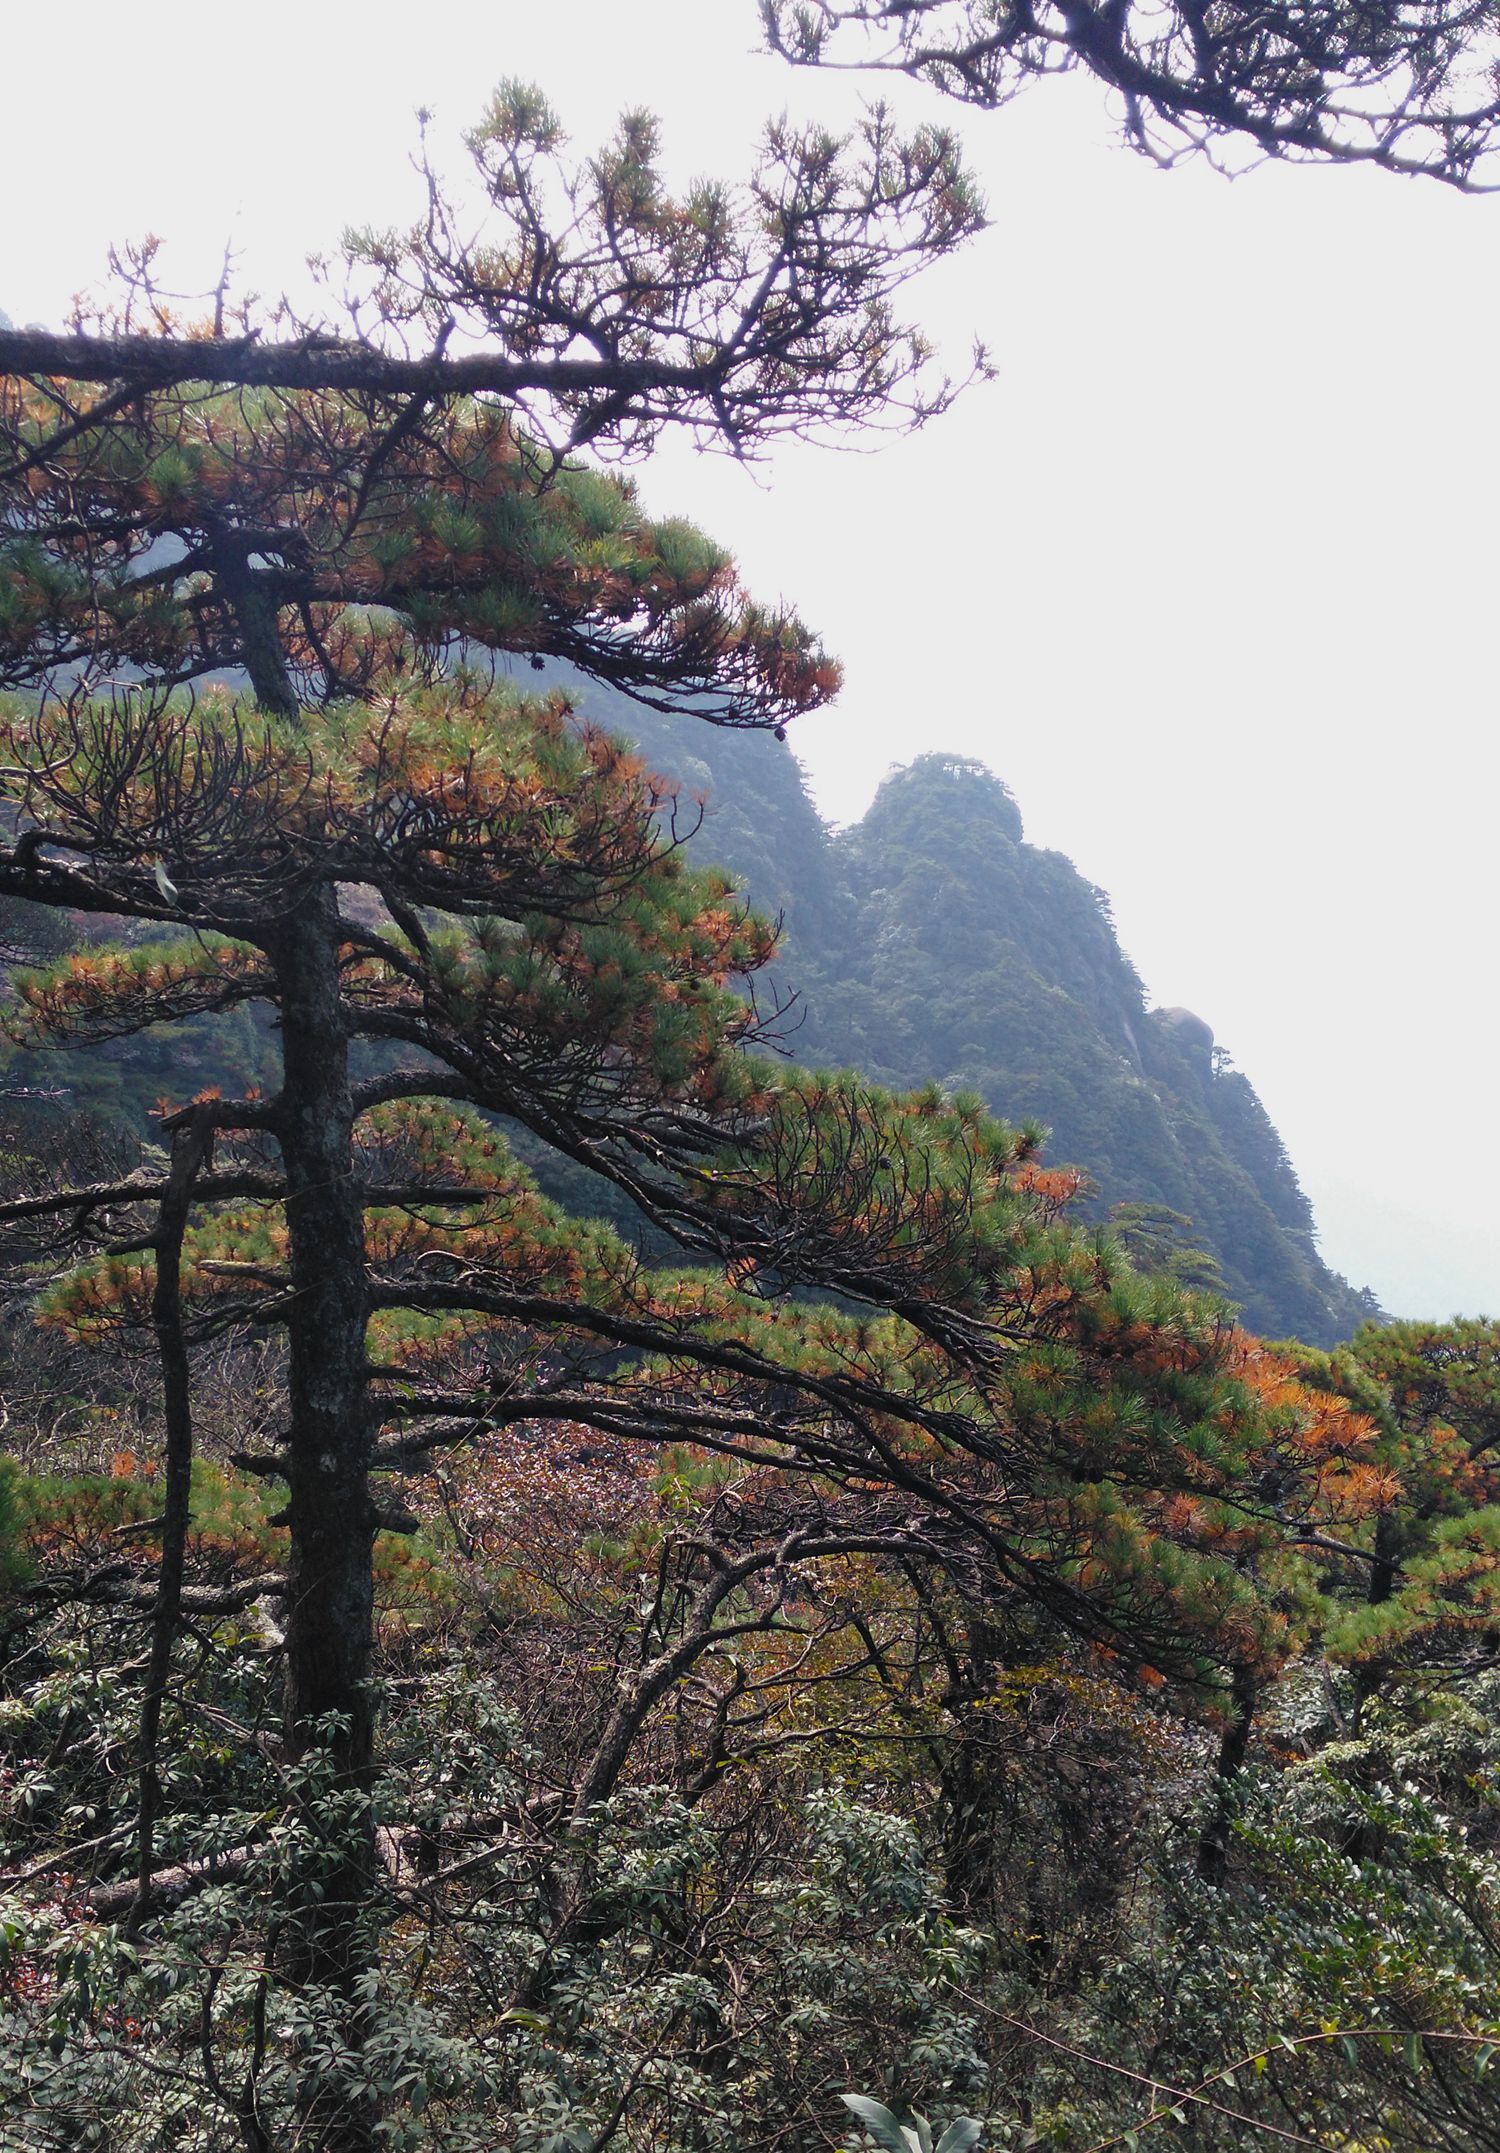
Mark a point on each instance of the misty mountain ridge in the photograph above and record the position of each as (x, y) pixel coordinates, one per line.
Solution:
(930, 942)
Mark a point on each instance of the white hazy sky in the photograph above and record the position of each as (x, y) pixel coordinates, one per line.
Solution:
(1207, 575)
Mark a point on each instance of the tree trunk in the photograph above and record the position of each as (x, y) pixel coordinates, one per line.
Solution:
(1384, 1570)
(329, 1721)
(329, 1939)
(972, 1786)
(191, 1144)
(1213, 1843)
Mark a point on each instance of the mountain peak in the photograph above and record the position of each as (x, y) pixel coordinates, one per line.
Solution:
(949, 784)
(929, 941)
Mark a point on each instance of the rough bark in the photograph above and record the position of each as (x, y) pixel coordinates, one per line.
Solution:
(972, 1789)
(190, 1149)
(1213, 1843)
(253, 595)
(324, 362)
(329, 1599)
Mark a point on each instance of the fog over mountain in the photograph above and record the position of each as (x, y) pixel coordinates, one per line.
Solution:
(930, 942)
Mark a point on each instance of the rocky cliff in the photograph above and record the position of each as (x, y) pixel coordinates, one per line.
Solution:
(932, 941)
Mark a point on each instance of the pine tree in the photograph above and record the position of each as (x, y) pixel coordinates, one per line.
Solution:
(464, 907)
(1419, 1602)
(1313, 81)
